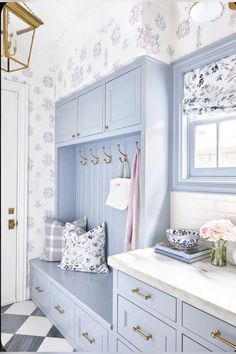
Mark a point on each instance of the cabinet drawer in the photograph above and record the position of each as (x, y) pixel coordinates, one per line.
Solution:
(90, 336)
(40, 289)
(143, 330)
(203, 324)
(144, 294)
(189, 345)
(123, 348)
(62, 311)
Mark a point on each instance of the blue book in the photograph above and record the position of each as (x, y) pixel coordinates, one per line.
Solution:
(200, 250)
(183, 259)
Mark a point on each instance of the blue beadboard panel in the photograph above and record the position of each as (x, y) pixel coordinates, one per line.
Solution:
(66, 170)
(92, 183)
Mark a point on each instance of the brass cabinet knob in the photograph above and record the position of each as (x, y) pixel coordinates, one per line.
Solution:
(216, 334)
(106, 127)
(59, 309)
(144, 296)
(138, 331)
(78, 134)
(73, 135)
(39, 289)
(88, 338)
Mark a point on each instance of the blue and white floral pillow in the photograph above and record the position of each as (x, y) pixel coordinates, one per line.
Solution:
(84, 252)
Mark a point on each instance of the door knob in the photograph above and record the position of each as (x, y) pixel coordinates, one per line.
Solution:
(11, 224)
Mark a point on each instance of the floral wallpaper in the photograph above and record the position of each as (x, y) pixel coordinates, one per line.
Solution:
(110, 36)
(189, 35)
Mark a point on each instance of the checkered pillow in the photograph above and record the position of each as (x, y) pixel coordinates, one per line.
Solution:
(54, 241)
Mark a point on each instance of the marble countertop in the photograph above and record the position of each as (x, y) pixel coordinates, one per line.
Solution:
(209, 288)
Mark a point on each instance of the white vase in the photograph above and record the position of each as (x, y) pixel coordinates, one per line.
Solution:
(231, 253)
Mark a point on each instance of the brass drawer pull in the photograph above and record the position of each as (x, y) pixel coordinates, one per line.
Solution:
(39, 289)
(216, 335)
(145, 296)
(59, 309)
(89, 339)
(145, 336)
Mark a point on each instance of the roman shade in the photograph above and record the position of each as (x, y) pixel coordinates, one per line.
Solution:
(211, 88)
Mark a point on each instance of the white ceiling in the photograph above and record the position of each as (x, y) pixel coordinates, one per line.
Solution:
(58, 17)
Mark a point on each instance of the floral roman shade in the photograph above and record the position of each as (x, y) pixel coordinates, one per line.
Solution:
(211, 88)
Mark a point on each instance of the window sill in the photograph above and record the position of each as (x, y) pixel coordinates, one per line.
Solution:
(206, 184)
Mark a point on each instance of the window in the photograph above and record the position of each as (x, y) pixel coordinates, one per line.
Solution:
(204, 120)
(212, 147)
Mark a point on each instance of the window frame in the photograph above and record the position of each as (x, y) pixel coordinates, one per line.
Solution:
(179, 143)
(211, 171)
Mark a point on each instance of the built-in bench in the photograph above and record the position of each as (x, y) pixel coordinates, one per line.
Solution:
(78, 304)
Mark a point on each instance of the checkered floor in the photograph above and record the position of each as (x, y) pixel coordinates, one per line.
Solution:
(25, 329)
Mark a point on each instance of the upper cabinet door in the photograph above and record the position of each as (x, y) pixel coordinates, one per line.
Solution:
(123, 101)
(90, 112)
(66, 121)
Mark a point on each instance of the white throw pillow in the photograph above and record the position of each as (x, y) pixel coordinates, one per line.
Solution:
(84, 252)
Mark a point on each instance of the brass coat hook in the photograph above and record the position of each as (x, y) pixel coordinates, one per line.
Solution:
(125, 159)
(84, 160)
(109, 156)
(137, 145)
(96, 161)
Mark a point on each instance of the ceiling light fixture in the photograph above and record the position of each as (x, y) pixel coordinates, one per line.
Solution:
(206, 11)
(18, 25)
(232, 5)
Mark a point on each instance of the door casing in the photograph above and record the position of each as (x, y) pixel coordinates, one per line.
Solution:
(21, 217)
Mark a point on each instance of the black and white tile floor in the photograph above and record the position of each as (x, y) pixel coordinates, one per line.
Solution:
(24, 328)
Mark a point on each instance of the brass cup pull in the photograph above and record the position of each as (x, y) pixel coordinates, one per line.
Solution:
(145, 296)
(39, 289)
(59, 309)
(137, 330)
(217, 335)
(106, 127)
(89, 339)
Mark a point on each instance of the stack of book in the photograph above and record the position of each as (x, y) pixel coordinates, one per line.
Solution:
(188, 256)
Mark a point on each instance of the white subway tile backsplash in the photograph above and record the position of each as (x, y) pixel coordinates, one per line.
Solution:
(193, 209)
(226, 206)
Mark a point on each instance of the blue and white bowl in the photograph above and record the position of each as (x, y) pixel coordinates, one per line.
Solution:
(183, 238)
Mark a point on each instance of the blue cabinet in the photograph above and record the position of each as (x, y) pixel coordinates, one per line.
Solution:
(90, 336)
(143, 330)
(62, 310)
(123, 100)
(90, 112)
(66, 121)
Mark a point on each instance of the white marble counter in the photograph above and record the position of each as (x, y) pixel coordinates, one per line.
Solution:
(210, 288)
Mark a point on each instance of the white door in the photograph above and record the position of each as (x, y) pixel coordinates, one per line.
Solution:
(9, 122)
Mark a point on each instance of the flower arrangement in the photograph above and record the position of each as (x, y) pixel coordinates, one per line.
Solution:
(221, 229)
(219, 232)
